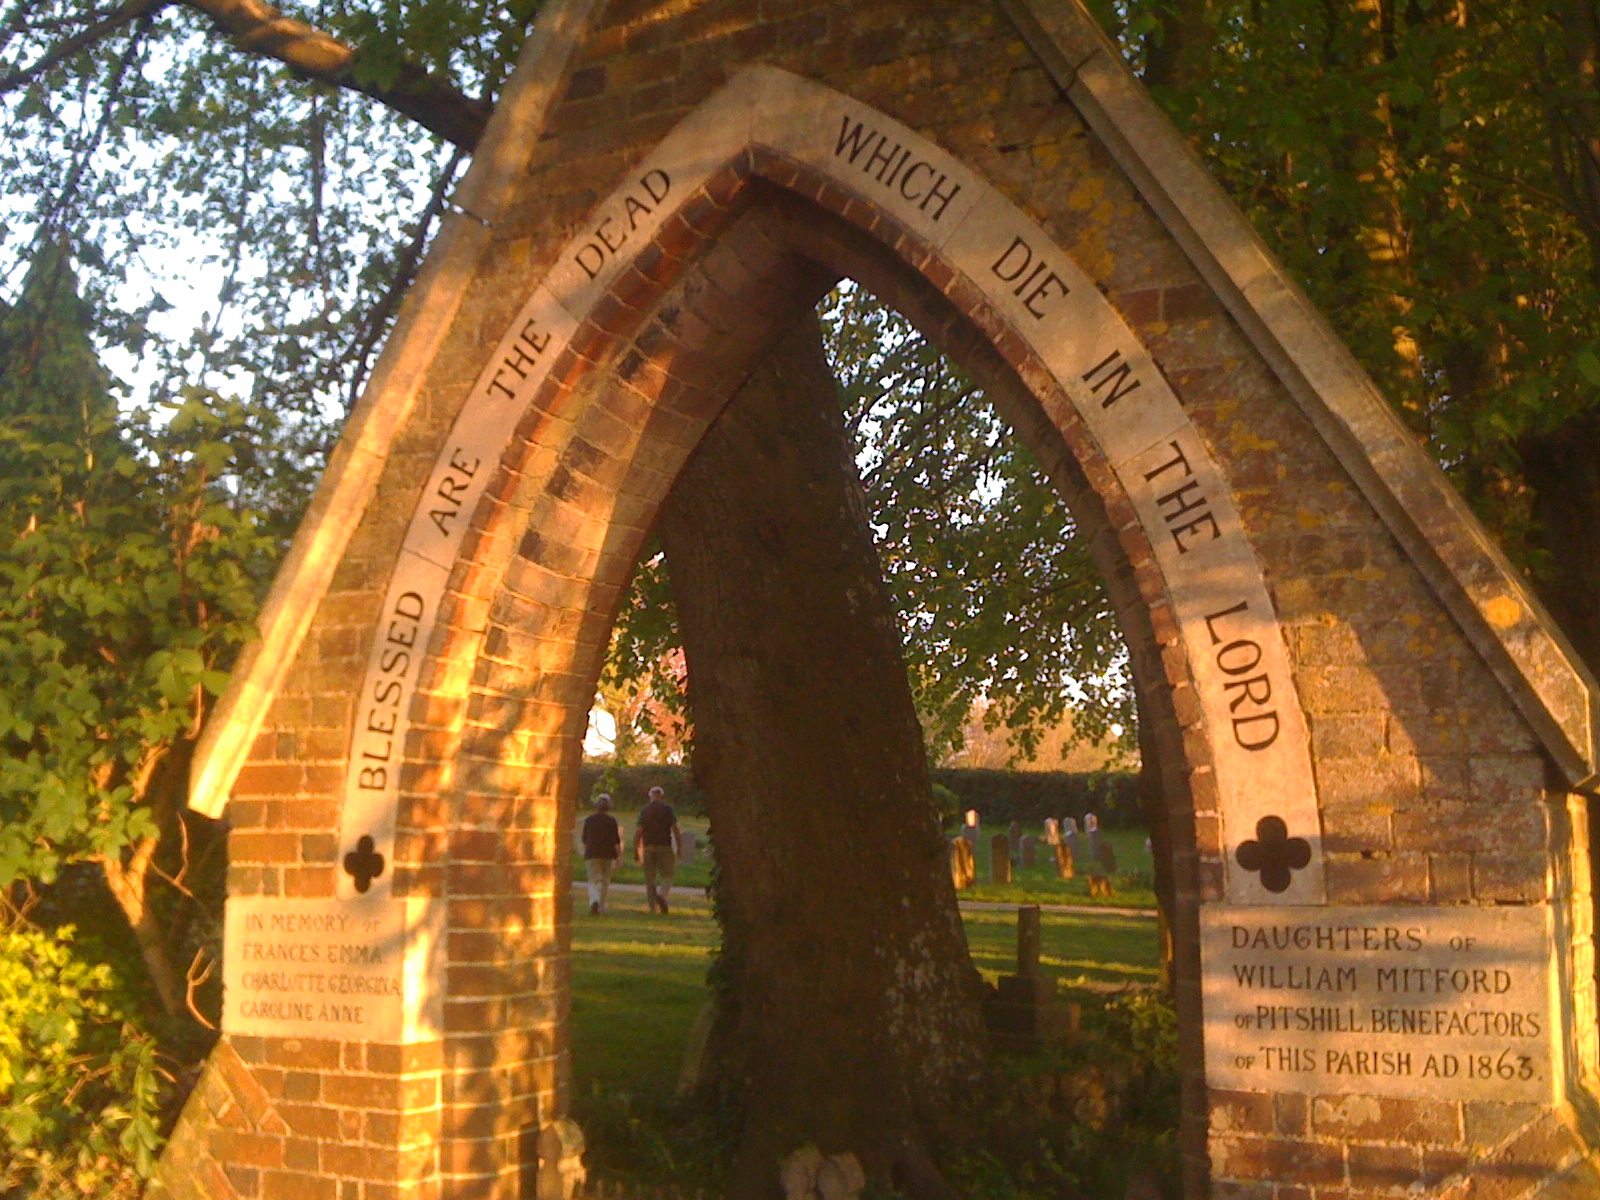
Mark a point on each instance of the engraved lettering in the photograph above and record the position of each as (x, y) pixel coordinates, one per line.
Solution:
(943, 197)
(1034, 280)
(1178, 459)
(606, 242)
(856, 139)
(1110, 373)
(895, 167)
(911, 173)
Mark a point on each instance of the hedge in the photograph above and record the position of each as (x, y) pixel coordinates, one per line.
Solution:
(999, 796)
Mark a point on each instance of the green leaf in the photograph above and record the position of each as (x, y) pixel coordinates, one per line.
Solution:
(1588, 363)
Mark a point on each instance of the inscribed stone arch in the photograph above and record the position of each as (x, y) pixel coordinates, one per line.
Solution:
(1325, 632)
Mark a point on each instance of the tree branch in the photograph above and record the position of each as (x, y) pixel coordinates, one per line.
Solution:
(129, 12)
(434, 103)
(405, 271)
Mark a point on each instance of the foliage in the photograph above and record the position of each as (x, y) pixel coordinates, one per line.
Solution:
(79, 1084)
(997, 597)
(999, 796)
(648, 1138)
(1083, 1120)
(630, 786)
(236, 229)
(1424, 169)
(128, 579)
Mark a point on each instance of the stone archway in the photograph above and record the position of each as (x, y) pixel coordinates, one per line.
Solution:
(1347, 680)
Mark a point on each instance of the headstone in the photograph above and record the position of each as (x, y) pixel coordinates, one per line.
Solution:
(969, 829)
(1052, 831)
(1028, 941)
(963, 864)
(1023, 1012)
(688, 845)
(1014, 838)
(1000, 859)
(1029, 850)
(1065, 869)
(1108, 856)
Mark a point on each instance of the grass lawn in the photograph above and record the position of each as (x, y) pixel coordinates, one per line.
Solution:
(638, 980)
(1037, 885)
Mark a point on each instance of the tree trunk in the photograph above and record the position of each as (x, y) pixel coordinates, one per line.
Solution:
(849, 1008)
(1153, 801)
(1176, 51)
(127, 885)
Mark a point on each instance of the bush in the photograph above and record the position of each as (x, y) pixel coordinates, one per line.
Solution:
(1084, 1120)
(80, 1090)
(630, 786)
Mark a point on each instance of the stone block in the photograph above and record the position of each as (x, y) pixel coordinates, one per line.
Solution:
(1284, 1160)
(1371, 1118)
(1383, 1168)
(1506, 880)
(1450, 878)
(1241, 1112)
(1389, 879)
(1393, 779)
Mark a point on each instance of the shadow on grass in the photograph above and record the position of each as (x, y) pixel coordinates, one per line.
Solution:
(1074, 1123)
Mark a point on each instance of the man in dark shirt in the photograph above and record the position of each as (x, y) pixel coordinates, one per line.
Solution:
(602, 846)
(655, 844)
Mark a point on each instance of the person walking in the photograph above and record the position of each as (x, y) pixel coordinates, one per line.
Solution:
(602, 847)
(656, 846)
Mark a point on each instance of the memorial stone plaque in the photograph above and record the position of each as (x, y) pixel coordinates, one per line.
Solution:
(1450, 1003)
(362, 970)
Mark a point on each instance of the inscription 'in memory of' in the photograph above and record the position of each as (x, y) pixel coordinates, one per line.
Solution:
(330, 968)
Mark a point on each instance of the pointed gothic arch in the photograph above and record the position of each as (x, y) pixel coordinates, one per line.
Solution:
(433, 644)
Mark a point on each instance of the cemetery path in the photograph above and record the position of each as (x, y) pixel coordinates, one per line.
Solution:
(696, 896)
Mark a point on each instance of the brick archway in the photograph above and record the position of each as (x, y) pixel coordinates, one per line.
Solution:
(435, 727)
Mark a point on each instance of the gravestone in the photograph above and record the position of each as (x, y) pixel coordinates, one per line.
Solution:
(688, 846)
(1052, 831)
(1023, 1013)
(970, 828)
(1014, 839)
(1028, 851)
(1065, 867)
(1376, 750)
(1000, 859)
(963, 864)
